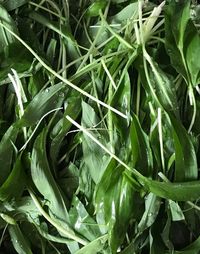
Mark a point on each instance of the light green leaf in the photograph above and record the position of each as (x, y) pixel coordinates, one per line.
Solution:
(176, 211)
(19, 241)
(129, 12)
(95, 246)
(82, 222)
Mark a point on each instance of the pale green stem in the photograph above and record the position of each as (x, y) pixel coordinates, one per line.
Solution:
(110, 119)
(193, 103)
(47, 10)
(161, 138)
(112, 82)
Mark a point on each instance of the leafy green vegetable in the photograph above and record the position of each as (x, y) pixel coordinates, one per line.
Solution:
(99, 127)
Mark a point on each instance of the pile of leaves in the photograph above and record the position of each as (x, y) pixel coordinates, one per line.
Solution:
(99, 117)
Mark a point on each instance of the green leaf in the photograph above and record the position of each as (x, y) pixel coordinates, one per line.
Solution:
(15, 183)
(5, 37)
(11, 5)
(163, 88)
(193, 248)
(183, 191)
(192, 52)
(21, 62)
(51, 51)
(95, 7)
(115, 195)
(44, 180)
(174, 33)
(182, 40)
(176, 211)
(82, 222)
(69, 182)
(119, 1)
(49, 99)
(141, 151)
(95, 246)
(46, 184)
(19, 241)
(63, 31)
(43, 231)
(121, 101)
(6, 152)
(185, 156)
(95, 157)
(152, 206)
(26, 206)
(175, 191)
(62, 127)
(129, 12)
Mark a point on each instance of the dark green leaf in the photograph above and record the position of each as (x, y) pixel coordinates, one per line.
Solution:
(42, 103)
(5, 37)
(115, 194)
(6, 152)
(44, 180)
(13, 4)
(14, 184)
(141, 151)
(185, 156)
